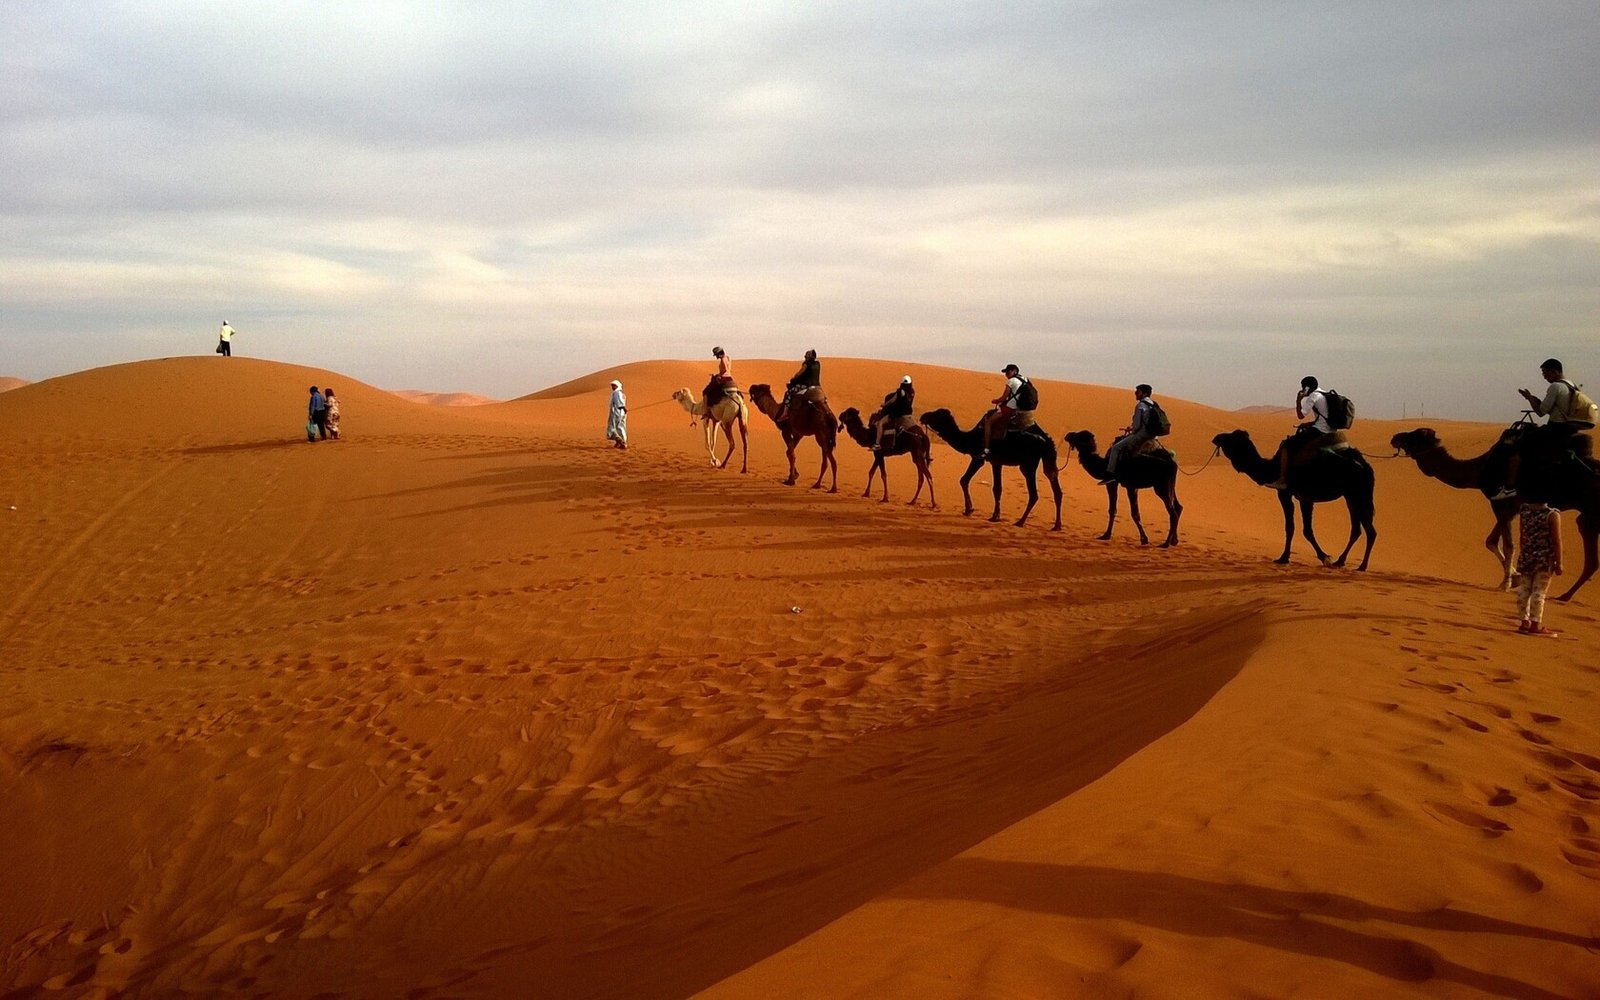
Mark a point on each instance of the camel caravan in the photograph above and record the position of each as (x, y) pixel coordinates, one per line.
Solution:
(1531, 466)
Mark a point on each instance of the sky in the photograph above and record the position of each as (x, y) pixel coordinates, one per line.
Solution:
(1401, 198)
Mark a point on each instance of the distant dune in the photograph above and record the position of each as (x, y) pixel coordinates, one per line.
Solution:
(470, 704)
(7, 383)
(1265, 408)
(442, 398)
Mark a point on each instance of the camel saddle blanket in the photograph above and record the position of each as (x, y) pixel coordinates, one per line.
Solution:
(812, 395)
(1021, 420)
(1154, 449)
(1308, 447)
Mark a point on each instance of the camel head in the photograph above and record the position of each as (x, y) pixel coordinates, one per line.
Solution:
(1415, 442)
(850, 414)
(683, 396)
(1234, 443)
(1081, 442)
(940, 421)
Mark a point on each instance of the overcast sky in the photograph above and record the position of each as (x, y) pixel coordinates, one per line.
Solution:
(1400, 197)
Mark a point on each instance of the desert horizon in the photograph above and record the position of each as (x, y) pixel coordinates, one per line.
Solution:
(469, 703)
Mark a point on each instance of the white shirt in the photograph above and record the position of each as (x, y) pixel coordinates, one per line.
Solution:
(1013, 386)
(618, 400)
(1557, 401)
(1315, 405)
(227, 333)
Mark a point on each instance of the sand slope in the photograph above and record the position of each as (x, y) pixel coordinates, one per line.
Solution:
(442, 398)
(7, 383)
(470, 704)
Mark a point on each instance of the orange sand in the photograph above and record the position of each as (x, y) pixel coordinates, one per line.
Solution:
(470, 704)
(7, 383)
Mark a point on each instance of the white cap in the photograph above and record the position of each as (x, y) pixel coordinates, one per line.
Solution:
(616, 383)
(906, 380)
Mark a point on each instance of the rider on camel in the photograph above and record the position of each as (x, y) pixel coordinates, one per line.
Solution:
(1006, 406)
(896, 405)
(715, 389)
(1134, 435)
(1313, 403)
(1547, 443)
(807, 378)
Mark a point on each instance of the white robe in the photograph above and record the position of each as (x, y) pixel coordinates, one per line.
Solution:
(617, 425)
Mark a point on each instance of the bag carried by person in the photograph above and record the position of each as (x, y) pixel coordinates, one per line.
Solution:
(1581, 410)
(311, 430)
(1156, 422)
(1027, 396)
(219, 347)
(1341, 411)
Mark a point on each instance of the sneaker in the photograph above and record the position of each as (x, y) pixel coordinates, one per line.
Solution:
(1540, 630)
(1279, 485)
(1506, 493)
(1109, 481)
(985, 453)
(1526, 626)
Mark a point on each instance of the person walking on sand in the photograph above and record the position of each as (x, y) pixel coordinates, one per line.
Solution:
(617, 422)
(1538, 559)
(225, 340)
(333, 412)
(317, 416)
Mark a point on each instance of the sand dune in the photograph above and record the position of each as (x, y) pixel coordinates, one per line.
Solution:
(442, 398)
(469, 704)
(7, 383)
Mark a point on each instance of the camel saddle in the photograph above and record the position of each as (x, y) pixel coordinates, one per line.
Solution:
(894, 425)
(1019, 421)
(1308, 447)
(719, 388)
(1154, 449)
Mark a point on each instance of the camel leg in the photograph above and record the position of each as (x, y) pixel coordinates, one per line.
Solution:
(789, 446)
(883, 475)
(1111, 510)
(1368, 513)
(1499, 542)
(1169, 498)
(833, 466)
(1307, 508)
(1589, 528)
(1356, 521)
(1030, 473)
(1133, 512)
(966, 494)
(1287, 503)
(1054, 475)
(744, 445)
(994, 469)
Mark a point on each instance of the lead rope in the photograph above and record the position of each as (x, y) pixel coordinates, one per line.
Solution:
(1214, 453)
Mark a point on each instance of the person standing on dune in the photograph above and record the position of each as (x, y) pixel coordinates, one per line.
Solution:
(225, 340)
(317, 416)
(1538, 559)
(617, 422)
(333, 412)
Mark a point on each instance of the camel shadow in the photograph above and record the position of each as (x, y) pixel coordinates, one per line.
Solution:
(1285, 920)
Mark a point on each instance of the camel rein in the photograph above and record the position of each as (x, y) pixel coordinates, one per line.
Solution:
(1214, 453)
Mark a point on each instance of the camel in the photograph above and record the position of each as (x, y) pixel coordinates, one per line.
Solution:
(1157, 470)
(1325, 476)
(1025, 449)
(912, 440)
(725, 413)
(803, 420)
(1486, 474)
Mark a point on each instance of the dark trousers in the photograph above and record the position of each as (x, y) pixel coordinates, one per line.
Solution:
(224, 348)
(320, 418)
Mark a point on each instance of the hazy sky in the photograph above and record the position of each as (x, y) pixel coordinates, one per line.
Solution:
(1402, 198)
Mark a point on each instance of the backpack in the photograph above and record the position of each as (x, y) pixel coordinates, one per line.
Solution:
(1581, 409)
(1341, 411)
(1027, 396)
(1156, 422)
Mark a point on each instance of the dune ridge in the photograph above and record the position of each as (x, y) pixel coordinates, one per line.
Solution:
(468, 702)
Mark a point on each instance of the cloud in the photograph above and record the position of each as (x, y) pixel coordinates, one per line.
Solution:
(506, 195)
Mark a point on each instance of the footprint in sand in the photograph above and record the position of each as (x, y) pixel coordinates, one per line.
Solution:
(1466, 817)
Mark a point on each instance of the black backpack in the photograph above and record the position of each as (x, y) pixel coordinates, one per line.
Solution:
(1341, 411)
(1027, 396)
(1156, 422)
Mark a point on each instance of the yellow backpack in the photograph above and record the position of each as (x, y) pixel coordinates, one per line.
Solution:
(1580, 408)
